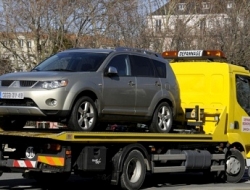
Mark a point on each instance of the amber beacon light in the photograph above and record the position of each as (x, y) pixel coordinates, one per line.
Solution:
(193, 54)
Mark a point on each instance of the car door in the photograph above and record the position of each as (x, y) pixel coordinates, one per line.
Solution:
(148, 88)
(119, 90)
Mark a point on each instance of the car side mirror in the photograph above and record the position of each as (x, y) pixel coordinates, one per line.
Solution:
(111, 71)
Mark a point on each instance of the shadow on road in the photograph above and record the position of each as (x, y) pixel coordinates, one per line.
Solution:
(77, 183)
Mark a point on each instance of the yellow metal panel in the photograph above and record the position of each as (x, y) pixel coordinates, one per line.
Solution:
(202, 83)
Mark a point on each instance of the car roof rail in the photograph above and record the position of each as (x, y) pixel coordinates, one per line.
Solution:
(139, 50)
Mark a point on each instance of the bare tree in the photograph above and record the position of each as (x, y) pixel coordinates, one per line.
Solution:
(54, 25)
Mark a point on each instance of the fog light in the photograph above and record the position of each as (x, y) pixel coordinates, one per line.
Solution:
(51, 102)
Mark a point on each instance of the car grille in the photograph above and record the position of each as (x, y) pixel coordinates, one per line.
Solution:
(23, 102)
(23, 83)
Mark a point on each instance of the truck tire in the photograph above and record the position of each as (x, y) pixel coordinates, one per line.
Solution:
(134, 171)
(84, 115)
(235, 166)
(162, 119)
(9, 124)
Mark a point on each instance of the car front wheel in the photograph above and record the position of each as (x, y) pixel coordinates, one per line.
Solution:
(84, 115)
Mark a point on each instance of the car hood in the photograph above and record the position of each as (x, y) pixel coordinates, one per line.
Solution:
(39, 76)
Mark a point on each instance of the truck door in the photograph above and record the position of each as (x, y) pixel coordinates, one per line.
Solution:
(242, 106)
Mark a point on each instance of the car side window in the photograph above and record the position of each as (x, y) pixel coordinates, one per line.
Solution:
(160, 68)
(122, 64)
(142, 67)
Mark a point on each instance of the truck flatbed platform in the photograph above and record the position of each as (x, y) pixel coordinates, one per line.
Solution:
(116, 137)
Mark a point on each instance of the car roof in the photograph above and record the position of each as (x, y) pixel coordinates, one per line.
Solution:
(151, 54)
(89, 50)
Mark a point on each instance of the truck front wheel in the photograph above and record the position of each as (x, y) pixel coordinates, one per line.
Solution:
(235, 166)
(134, 171)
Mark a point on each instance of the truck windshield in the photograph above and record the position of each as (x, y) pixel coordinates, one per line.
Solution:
(72, 61)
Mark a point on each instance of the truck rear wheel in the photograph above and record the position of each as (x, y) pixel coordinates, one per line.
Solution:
(84, 115)
(162, 119)
(134, 171)
(235, 166)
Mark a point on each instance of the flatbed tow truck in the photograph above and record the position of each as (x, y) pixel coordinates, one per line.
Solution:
(211, 134)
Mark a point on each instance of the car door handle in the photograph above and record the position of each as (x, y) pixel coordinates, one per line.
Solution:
(131, 83)
(157, 83)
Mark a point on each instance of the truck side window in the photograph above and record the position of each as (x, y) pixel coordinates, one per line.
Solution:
(243, 92)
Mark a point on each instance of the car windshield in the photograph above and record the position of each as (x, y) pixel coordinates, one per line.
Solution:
(72, 61)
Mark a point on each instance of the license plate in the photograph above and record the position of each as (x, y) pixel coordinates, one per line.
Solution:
(11, 95)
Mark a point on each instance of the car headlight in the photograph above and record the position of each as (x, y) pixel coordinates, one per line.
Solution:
(52, 84)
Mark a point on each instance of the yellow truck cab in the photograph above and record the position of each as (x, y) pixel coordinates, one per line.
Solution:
(219, 91)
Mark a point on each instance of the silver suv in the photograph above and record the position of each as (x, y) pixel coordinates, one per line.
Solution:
(89, 88)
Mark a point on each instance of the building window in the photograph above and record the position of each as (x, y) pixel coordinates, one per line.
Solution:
(182, 6)
(12, 44)
(202, 24)
(20, 42)
(230, 4)
(227, 21)
(158, 24)
(205, 5)
(29, 44)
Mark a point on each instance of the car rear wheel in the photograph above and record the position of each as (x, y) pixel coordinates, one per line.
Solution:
(162, 119)
(8, 124)
(84, 115)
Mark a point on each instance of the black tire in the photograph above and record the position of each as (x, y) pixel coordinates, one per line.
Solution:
(162, 120)
(9, 124)
(235, 166)
(84, 115)
(134, 171)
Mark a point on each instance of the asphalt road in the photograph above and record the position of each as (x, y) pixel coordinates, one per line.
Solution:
(163, 182)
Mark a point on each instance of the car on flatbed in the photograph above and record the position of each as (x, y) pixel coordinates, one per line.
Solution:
(87, 89)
